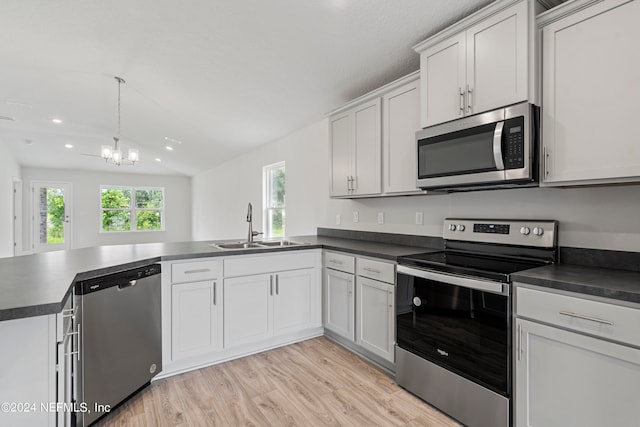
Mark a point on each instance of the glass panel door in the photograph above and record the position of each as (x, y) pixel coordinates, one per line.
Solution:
(51, 216)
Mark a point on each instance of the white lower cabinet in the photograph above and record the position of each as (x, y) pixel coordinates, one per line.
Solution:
(196, 320)
(264, 305)
(28, 374)
(339, 303)
(248, 312)
(574, 368)
(568, 379)
(375, 317)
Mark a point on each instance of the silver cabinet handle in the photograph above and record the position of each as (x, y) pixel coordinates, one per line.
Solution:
(519, 341)
(461, 100)
(546, 161)
(333, 261)
(200, 270)
(497, 146)
(354, 183)
(372, 270)
(348, 183)
(215, 292)
(583, 317)
(469, 99)
(270, 285)
(277, 285)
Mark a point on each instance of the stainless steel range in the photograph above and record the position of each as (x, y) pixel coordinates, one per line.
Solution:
(453, 315)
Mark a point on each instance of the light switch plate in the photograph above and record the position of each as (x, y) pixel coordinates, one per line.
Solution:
(356, 216)
(419, 218)
(380, 217)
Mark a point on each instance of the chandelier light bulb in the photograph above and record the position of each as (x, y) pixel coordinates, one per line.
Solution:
(133, 155)
(106, 151)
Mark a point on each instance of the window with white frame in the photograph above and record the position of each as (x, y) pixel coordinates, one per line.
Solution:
(274, 200)
(131, 208)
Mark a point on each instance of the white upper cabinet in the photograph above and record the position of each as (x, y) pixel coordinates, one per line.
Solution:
(479, 64)
(590, 93)
(355, 145)
(497, 70)
(443, 76)
(400, 121)
(372, 142)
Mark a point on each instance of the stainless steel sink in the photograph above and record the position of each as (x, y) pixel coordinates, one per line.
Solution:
(280, 243)
(256, 245)
(239, 245)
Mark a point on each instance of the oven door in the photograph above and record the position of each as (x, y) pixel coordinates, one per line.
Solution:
(457, 322)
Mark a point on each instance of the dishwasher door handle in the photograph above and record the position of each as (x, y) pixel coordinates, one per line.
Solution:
(127, 285)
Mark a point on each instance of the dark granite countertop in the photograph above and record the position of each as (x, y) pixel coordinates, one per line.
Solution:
(39, 284)
(603, 282)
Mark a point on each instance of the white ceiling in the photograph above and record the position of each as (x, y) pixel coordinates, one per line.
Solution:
(222, 76)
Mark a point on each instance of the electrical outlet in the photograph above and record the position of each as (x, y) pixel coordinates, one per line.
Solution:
(356, 216)
(419, 218)
(338, 219)
(380, 217)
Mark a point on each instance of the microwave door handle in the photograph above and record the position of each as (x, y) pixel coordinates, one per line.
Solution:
(497, 146)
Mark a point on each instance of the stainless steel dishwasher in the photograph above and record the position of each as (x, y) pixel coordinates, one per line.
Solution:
(120, 339)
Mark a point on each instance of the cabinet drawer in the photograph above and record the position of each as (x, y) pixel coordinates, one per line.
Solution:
(268, 263)
(382, 271)
(609, 321)
(340, 262)
(194, 271)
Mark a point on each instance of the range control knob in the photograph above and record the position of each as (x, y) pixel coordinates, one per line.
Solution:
(452, 227)
(538, 231)
(525, 231)
(460, 227)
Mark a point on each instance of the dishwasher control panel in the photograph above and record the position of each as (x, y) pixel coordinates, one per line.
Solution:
(122, 280)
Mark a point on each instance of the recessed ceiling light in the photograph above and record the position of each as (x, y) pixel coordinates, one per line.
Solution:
(56, 121)
(68, 145)
(158, 160)
(175, 141)
(169, 148)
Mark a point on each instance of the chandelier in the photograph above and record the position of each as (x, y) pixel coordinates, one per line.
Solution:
(113, 153)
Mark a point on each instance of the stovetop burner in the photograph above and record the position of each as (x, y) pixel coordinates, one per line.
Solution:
(491, 249)
(498, 269)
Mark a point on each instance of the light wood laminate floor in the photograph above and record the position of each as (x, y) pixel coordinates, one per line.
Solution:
(311, 383)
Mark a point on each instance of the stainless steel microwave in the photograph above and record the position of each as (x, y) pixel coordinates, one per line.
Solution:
(497, 149)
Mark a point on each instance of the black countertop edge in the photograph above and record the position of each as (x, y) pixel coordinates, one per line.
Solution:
(389, 238)
(33, 311)
(620, 285)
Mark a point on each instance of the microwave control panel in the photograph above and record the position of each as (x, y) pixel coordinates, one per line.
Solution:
(513, 137)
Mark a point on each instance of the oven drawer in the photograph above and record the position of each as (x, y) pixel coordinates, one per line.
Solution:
(340, 262)
(382, 271)
(194, 271)
(601, 319)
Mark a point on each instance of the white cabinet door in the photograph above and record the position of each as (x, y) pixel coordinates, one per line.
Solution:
(375, 320)
(590, 93)
(28, 373)
(443, 81)
(340, 148)
(567, 379)
(497, 66)
(196, 319)
(247, 309)
(292, 301)
(339, 303)
(401, 120)
(367, 149)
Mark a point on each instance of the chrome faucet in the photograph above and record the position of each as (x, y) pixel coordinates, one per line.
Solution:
(251, 233)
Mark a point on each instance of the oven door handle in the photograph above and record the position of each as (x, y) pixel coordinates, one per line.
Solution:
(465, 282)
(497, 145)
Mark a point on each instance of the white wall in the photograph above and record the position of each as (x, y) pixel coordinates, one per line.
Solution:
(9, 170)
(596, 217)
(86, 215)
(220, 196)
